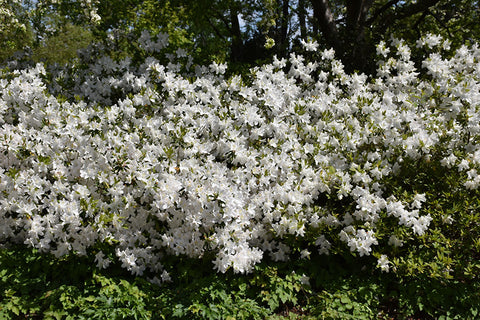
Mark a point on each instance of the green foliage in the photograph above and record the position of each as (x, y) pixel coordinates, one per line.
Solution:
(277, 289)
(63, 46)
(14, 33)
(14, 41)
(212, 30)
(204, 295)
(450, 248)
(38, 286)
(456, 20)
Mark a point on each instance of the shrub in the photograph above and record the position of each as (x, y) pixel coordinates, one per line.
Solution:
(138, 160)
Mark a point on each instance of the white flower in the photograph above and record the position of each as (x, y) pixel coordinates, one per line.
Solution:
(449, 161)
(218, 68)
(328, 54)
(418, 200)
(395, 241)
(382, 49)
(305, 254)
(310, 45)
(102, 262)
(165, 276)
(304, 280)
(383, 263)
(463, 165)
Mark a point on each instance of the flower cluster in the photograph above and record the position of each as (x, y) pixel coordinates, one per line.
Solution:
(137, 161)
(8, 20)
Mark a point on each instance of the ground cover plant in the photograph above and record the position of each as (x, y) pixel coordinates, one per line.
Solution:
(35, 286)
(141, 173)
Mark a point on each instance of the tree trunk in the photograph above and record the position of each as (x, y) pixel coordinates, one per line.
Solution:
(358, 57)
(283, 43)
(351, 45)
(301, 19)
(237, 43)
(325, 20)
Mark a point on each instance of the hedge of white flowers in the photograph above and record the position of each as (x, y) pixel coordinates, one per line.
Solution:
(148, 160)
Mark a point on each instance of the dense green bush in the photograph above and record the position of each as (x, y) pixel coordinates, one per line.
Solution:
(38, 286)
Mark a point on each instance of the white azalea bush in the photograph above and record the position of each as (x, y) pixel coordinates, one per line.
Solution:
(136, 162)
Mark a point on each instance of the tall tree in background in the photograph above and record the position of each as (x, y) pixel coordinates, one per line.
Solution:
(237, 31)
(15, 34)
(52, 29)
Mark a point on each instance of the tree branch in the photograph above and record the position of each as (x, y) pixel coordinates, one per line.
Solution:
(221, 16)
(415, 26)
(442, 23)
(413, 9)
(357, 12)
(215, 29)
(384, 8)
(301, 18)
(401, 12)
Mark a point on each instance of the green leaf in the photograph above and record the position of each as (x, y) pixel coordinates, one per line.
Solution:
(15, 310)
(3, 273)
(178, 310)
(474, 312)
(345, 299)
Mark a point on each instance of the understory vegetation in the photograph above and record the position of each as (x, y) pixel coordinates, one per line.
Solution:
(38, 286)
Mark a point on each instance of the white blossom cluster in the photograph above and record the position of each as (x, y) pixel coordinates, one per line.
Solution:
(89, 7)
(136, 163)
(8, 19)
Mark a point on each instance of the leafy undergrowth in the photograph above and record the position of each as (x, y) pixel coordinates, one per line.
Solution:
(37, 286)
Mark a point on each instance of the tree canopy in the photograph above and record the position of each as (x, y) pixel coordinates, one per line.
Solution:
(241, 33)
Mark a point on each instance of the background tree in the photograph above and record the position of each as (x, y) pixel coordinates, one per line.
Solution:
(353, 27)
(15, 34)
(52, 31)
(237, 31)
(63, 45)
